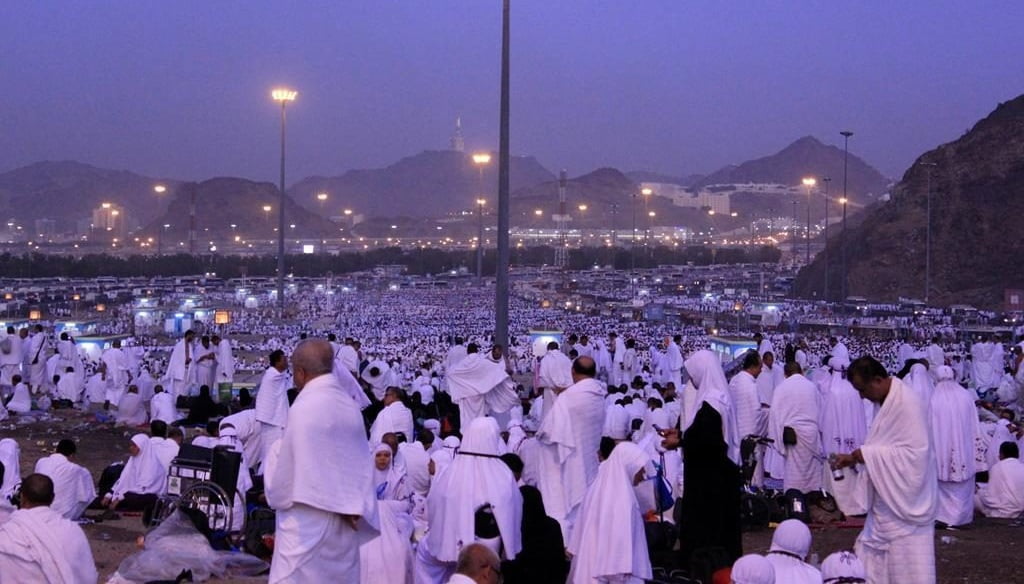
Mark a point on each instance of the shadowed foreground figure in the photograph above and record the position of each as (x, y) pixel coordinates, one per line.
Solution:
(37, 544)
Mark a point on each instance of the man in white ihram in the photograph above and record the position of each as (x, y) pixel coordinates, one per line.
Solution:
(480, 384)
(569, 439)
(554, 376)
(37, 544)
(897, 484)
(272, 401)
(326, 506)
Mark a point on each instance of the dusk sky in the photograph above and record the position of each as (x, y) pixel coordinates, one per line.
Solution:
(182, 88)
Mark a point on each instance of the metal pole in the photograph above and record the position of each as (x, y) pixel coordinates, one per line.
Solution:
(846, 199)
(827, 182)
(280, 226)
(807, 235)
(502, 292)
(480, 240)
(632, 254)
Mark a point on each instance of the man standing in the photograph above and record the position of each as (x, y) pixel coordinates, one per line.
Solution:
(555, 375)
(10, 357)
(225, 361)
(954, 428)
(206, 364)
(116, 372)
(38, 545)
(479, 385)
(181, 369)
(37, 356)
(319, 478)
(897, 543)
(570, 437)
(674, 360)
(793, 425)
(272, 401)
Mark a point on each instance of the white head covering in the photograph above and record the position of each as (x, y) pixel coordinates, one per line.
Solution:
(434, 426)
(792, 536)
(753, 569)
(144, 473)
(843, 568)
(10, 457)
(919, 379)
(706, 374)
(388, 481)
(945, 373)
(476, 477)
(608, 536)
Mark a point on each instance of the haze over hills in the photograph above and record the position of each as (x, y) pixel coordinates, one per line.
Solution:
(805, 157)
(429, 184)
(977, 187)
(68, 191)
(226, 201)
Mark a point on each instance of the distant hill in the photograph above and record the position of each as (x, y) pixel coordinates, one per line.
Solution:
(68, 191)
(222, 202)
(977, 187)
(657, 177)
(429, 184)
(609, 197)
(806, 157)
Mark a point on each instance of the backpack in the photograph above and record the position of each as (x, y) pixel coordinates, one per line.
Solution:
(755, 511)
(5, 345)
(262, 522)
(823, 508)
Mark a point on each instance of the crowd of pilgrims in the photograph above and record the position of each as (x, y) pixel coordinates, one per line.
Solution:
(408, 448)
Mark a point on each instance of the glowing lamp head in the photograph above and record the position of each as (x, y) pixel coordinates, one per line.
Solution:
(734, 214)
(283, 94)
(843, 200)
(347, 211)
(538, 212)
(711, 212)
(810, 181)
(481, 158)
(481, 202)
(160, 189)
(266, 208)
(652, 214)
(583, 207)
(321, 196)
(105, 205)
(646, 191)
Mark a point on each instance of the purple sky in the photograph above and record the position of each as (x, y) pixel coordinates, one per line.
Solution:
(181, 89)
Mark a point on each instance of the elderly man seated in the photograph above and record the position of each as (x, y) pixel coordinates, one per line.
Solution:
(37, 544)
(477, 564)
(1003, 496)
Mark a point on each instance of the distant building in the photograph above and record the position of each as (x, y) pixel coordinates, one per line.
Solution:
(457, 142)
(683, 197)
(111, 219)
(46, 228)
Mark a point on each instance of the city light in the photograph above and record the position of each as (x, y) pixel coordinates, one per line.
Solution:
(282, 94)
(160, 189)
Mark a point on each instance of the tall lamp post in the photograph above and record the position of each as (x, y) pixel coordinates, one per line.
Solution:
(501, 292)
(480, 159)
(480, 237)
(928, 237)
(827, 182)
(284, 96)
(809, 182)
(842, 240)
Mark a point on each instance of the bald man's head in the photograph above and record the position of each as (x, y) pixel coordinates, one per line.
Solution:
(478, 562)
(312, 358)
(583, 367)
(36, 491)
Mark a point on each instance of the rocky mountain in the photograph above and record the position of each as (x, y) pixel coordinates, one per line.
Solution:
(806, 157)
(69, 191)
(977, 201)
(610, 197)
(657, 177)
(223, 202)
(429, 184)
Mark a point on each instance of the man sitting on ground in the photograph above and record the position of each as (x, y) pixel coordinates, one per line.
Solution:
(38, 545)
(72, 484)
(1003, 496)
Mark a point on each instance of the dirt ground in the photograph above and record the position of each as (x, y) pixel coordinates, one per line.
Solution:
(988, 552)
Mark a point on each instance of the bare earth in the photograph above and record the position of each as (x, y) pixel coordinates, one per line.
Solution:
(988, 552)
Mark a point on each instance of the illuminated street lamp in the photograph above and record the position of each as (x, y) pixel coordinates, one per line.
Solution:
(322, 197)
(538, 212)
(480, 236)
(809, 182)
(284, 96)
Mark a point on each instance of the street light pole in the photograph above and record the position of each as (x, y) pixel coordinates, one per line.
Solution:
(480, 238)
(809, 182)
(283, 96)
(502, 280)
(827, 182)
(842, 240)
